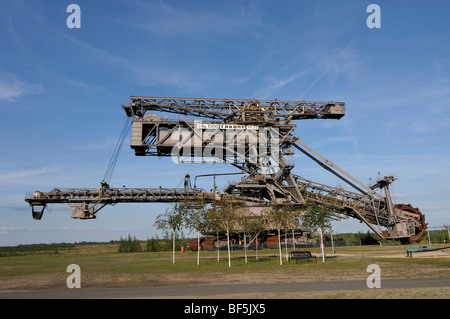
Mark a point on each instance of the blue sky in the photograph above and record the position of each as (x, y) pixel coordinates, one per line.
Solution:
(61, 92)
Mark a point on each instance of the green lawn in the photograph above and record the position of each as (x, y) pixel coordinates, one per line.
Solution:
(110, 268)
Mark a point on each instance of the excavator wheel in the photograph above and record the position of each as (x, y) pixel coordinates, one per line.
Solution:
(420, 230)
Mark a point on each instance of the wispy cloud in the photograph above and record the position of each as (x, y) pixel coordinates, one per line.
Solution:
(12, 88)
(25, 173)
(13, 33)
(5, 230)
(164, 20)
(428, 208)
(106, 144)
(146, 73)
(335, 61)
(276, 83)
(422, 111)
(312, 65)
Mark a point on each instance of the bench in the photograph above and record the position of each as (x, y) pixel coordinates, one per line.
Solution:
(301, 255)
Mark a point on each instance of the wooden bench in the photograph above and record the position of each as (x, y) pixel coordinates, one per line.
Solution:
(301, 255)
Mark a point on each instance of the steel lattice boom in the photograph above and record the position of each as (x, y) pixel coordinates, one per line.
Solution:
(236, 110)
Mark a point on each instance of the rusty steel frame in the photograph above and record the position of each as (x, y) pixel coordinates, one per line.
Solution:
(151, 136)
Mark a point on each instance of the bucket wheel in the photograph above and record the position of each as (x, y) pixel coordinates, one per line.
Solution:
(406, 210)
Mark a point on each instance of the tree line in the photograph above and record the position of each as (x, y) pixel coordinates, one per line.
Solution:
(154, 244)
(230, 217)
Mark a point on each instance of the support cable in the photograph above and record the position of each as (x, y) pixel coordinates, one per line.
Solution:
(113, 161)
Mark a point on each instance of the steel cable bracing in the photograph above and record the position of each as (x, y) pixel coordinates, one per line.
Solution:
(113, 161)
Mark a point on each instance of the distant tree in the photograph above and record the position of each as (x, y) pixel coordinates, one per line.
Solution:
(367, 238)
(152, 244)
(129, 245)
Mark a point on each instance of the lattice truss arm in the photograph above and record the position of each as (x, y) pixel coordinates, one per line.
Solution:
(243, 110)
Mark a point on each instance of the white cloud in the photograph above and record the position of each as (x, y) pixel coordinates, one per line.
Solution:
(11, 88)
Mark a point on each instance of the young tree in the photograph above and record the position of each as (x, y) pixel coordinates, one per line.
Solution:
(172, 220)
(213, 226)
(318, 217)
(195, 217)
(245, 222)
(225, 215)
(280, 217)
(257, 224)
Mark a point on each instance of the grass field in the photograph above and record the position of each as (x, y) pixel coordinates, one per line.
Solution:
(102, 266)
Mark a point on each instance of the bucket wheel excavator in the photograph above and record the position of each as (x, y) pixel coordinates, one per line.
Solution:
(254, 136)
